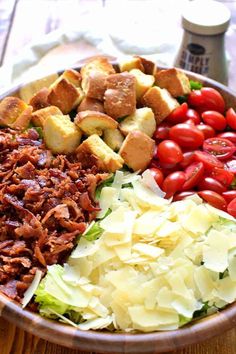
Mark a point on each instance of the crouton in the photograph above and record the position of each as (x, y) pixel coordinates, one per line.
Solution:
(94, 149)
(128, 64)
(142, 119)
(40, 99)
(65, 92)
(90, 104)
(23, 120)
(113, 138)
(94, 74)
(160, 101)
(10, 109)
(137, 150)
(174, 80)
(120, 96)
(39, 116)
(60, 134)
(92, 122)
(143, 82)
(148, 65)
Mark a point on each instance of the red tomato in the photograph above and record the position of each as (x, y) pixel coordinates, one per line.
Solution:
(207, 130)
(178, 115)
(214, 199)
(194, 174)
(158, 175)
(231, 208)
(169, 152)
(188, 158)
(211, 184)
(231, 118)
(193, 115)
(223, 176)
(190, 121)
(215, 119)
(162, 132)
(182, 195)
(230, 165)
(206, 99)
(173, 183)
(219, 147)
(229, 195)
(209, 161)
(187, 135)
(228, 135)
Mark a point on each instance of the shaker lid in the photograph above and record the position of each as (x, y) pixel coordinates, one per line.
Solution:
(205, 17)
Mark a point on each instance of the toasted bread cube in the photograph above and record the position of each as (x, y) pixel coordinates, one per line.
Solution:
(137, 150)
(10, 109)
(160, 101)
(73, 76)
(39, 116)
(23, 120)
(142, 119)
(92, 122)
(40, 99)
(60, 134)
(113, 138)
(105, 158)
(90, 104)
(148, 65)
(174, 80)
(143, 82)
(120, 96)
(128, 64)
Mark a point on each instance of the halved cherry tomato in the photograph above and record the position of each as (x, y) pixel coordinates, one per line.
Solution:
(229, 195)
(194, 174)
(162, 131)
(169, 152)
(223, 176)
(214, 199)
(178, 115)
(207, 130)
(231, 208)
(193, 115)
(215, 119)
(158, 175)
(206, 99)
(187, 135)
(182, 195)
(190, 121)
(173, 183)
(209, 161)
(231, 118)
(188, 158)
(219, 147)
(228, 135)
(230, 165)
(211, 184)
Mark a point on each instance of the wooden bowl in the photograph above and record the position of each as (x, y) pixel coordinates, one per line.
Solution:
(106, 342)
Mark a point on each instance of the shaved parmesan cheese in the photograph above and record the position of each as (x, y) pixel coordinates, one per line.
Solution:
(215, 251)
(149, 181)
(148, 250)
(32, 288)
(107, 197)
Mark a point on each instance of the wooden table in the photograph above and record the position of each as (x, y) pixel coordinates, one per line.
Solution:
(20, 22)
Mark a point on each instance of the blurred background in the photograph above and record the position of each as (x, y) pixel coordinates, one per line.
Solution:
(38, 37)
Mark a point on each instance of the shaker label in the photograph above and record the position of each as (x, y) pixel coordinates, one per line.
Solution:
(194, 58)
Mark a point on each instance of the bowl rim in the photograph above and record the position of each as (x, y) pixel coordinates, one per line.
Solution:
(104, 341)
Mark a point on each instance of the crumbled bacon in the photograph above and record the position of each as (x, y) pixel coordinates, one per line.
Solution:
(45, 203)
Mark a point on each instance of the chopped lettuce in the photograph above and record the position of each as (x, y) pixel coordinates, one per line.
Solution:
(195, 85)
(94, 232)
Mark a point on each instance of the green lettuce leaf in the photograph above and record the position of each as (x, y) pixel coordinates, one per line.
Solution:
(195, 85)
(94, 232)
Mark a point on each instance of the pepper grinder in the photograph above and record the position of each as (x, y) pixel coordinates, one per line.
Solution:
(202, 49)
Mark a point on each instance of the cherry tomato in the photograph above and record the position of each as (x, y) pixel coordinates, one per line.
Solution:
(211, 184)
(215, 119)
(188, 158)
(230, 165)
(223, 176)
(190, 121)
(231, 118)
(158, 175)
(214, 199)
(194, 174)
(193, 115)
(206, 99)
(173, 183)
(229, 195)
(219, 147)
(169, 152)
(209, 161)
(178, 115)
(187, 135)
(231, 208)
(228, 135)
(207, 130)
(162, 131)
(182, 195)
